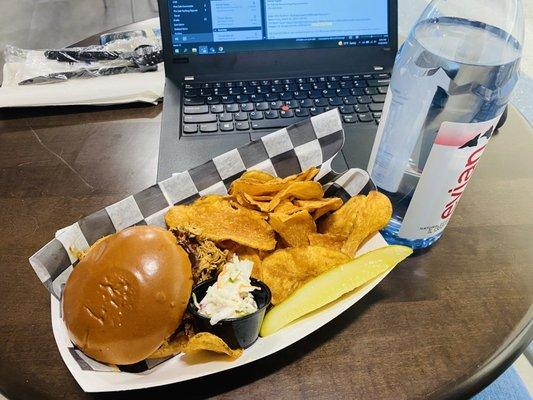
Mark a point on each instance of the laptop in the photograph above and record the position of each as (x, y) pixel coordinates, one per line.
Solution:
(239, 69)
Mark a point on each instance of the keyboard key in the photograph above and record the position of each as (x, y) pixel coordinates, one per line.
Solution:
(195, 109)
(335, 101)
(288, 81)
(319, 86)
(376, 115)
(333, 85)
(208, 128)
(306, 103)
(193, 101)
(314, 94)
(277, 82)
(271, 114)
(346, 78)
(378, 98)
(349, 118)
(301, 80)
(376, 107)
(218, 85)
(199, 118)
(304, 86)
(241, 116)
(286, 114)
(247, 107)
(367, 76)
(226, 126)
(248, 90)
(346, 109)
(216, 108)
(383, 89)
(359, 84)
(333, 78)
(255, 115)
(227, 99)
(276, 88)
(301, 112)
(361, 108)
(230, 84)
(342, 92)
(192, 86)
(365, 117)
(298, 95)
(221, 91)
(206, 92)
(257, 97)
(378, 82)
(291, 87)
(265, 83)
(329, 93)
(255, 83)
(240, 83)
(242, 126)
(370, 90)
(262, 106)
(274, 123)
(213, 99)
(226, 117)
(191, 93)
(275, 105)
(285, 95)
(293, 103)
(356, 77)
(272, 96)
(322, 102)
(242, 98)
(190, 128)
(357, 92)
(232, 107)
(346, 85)
(364, 99)
(316, 110)
(383, 75)
(235, 90)
(349, 100)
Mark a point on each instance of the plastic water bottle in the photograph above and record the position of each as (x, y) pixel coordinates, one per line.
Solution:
(450, 85)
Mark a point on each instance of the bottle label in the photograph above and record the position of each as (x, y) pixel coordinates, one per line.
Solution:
(450, 165)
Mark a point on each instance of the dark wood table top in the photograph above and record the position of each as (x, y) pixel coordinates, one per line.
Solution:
(441, 325)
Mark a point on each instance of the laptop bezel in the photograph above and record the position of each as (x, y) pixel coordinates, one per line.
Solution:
(277, 63)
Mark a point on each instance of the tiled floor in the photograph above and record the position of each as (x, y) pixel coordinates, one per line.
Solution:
(55, 23)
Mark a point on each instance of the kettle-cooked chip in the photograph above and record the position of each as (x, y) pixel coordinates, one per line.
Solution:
(294, 228)
(286, 270)
(208, 341)
(320, 207)
(327, 240)
(306, 190)
(214, 218)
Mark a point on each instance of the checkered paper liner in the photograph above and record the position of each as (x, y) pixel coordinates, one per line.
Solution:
(313, 142)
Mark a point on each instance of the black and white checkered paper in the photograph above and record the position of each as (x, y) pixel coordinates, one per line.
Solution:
(313, 142)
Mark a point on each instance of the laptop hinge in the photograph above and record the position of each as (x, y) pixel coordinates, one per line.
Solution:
(378, 68)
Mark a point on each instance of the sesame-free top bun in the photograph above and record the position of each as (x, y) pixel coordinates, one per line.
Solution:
(127, 295)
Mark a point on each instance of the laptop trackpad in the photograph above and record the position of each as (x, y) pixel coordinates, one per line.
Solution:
(190, 152)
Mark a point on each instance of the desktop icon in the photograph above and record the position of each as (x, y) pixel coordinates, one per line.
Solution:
(221, 49)
(194, 50)
(203, 49)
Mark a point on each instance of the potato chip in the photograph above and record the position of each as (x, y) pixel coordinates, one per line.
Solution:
(256, 188)
(320, 207)
(260, 205)
(208, 341)
(171, 347)
(357, 219)
(286, 270)
(301, 190)
(327, 240)
(287, 207)
(214, 218)
(293, 228)
(370, 219)
(259, 176)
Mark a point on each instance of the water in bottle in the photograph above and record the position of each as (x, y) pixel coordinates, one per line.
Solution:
(451, 83)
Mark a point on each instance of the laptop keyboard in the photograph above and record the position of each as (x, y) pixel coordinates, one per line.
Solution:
(237, 106)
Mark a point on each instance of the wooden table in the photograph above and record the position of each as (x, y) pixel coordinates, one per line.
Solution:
(442, 325)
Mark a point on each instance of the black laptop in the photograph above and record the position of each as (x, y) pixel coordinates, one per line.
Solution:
(239, 69)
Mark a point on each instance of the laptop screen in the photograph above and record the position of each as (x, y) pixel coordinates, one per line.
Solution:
(206, 27)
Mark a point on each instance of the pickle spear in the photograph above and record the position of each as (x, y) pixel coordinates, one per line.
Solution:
(331, 285)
